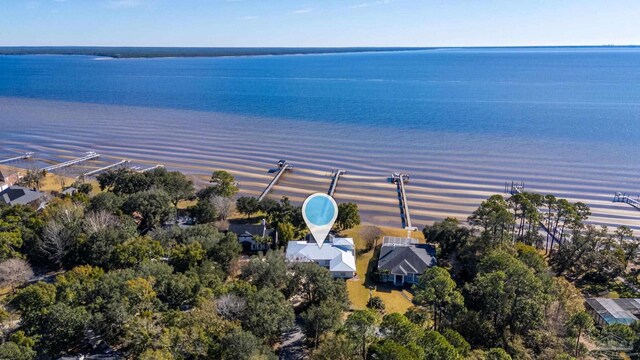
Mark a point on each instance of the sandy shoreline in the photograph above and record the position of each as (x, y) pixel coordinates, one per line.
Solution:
(450, 173)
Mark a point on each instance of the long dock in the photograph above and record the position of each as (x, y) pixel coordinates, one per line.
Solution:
(283, 166)
(90, 156)
(399, 179)
(151, 168)
(26, 156)
(103, 169)
(334, 181)
(625, 198)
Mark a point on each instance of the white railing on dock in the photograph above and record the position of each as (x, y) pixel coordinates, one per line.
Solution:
(90, 156)
(103, 169)
(625, 198)
(283, 166)
(399, 179)
(26, 156)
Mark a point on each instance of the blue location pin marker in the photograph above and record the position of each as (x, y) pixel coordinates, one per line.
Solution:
(319, 212)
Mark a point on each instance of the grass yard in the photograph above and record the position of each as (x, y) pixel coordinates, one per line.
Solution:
(395, 299)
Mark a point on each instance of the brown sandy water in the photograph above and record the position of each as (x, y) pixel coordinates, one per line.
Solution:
(451, 173)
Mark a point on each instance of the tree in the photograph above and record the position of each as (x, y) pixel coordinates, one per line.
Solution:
(61, 233)
(497, 354)
(267, 270)
(335, 347)
(131, 182)
(247, 205)
(391, 350)
(286, 231)
(437, 347)
(33, 298)
(224, 184)
(361, 326)
(370, 234)
(508, 293)
(203, 212)
(314, 284)
(267, 314)
(107, 202)
(33, 179)
(176, 185)
(14, 351)
(154, 206)
(376, 303)
(494, 219)
(400, 329)
(60, 328)
(580, 323)
(321, 319)
(459, 343)
(348, 216)
(230, 306)
(243, 345)
(449, 235)
(223, 206)
(436, 288)
(13, 272)
(136, 250)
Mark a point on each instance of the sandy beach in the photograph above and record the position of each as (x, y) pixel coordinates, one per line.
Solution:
(451, 173)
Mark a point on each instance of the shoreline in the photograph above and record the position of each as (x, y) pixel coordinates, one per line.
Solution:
(130, 52)
(450, 173)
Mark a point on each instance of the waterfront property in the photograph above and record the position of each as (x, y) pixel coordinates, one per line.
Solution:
(18, 195)
(613, 311)
(255, 238)
(336, 254)
(403, 260)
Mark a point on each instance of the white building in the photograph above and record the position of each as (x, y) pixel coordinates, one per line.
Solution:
(336, 254)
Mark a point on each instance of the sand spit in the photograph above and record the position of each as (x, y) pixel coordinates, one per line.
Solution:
(450, 173)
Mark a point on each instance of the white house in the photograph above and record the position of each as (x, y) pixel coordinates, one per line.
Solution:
(336, 254)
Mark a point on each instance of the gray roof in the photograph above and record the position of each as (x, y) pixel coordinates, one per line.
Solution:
(405, 257)
(18, 195)
(616, 311)
(253, 230)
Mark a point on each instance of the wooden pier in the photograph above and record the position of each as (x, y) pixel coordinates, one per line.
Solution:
(103, 169)
(336, 173)
(90, 156)
(151, 168)
(283, 166)
(400, 179)
(514, 188)
(625, 198)
(26, 156)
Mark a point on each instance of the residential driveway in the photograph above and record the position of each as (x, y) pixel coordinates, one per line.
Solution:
(292, 347)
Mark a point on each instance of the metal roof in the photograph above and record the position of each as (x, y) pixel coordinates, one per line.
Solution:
(616, 311)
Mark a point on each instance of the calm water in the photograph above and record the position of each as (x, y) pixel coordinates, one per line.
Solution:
(460, 122)
(572, 94)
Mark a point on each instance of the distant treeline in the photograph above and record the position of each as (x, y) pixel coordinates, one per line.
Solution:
(151, 52)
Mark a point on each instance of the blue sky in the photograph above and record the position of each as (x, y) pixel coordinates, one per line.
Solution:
(318, 22)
